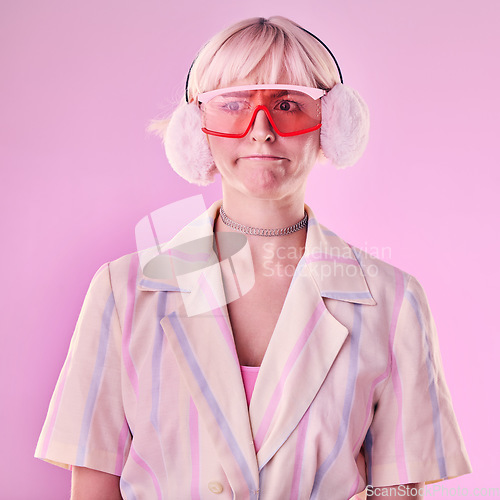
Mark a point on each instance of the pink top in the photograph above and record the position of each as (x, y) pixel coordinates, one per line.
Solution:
(249, 375)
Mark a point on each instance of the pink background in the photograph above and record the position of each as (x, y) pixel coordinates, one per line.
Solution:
(80, 80)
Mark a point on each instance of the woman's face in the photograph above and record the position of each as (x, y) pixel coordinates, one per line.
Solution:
(263, 164)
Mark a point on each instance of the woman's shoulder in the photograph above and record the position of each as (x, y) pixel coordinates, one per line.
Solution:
(369, 264)
(118, 272)
(386, 280)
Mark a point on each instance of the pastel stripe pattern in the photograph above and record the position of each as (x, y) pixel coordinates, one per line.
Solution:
(348, 401)
(161, 287)
(396, 380)
(188, 257)
(299, 457)
(120, 455)
(276, 397)
(96, 380)
(380, 378)
(144, 465)
(438, 436)
(127, 329)
(156, 379)
(57, 401)
(153, 230)
(212, 402)
(346, 295)
(156, 363)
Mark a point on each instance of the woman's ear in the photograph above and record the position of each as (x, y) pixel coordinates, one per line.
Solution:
(345, 125)
(186, 146)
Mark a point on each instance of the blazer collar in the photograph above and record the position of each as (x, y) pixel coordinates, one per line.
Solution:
(334, 265)
(189, 250)
(190, 259)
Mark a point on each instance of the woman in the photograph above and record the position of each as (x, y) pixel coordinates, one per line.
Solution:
(257, 355)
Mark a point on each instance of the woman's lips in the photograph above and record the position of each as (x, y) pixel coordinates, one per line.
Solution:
(262, 157)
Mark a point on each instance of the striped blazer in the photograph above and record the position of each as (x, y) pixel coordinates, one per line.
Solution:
(350, 392)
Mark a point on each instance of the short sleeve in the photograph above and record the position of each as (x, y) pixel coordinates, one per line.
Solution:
(86, 424)
(414, 436)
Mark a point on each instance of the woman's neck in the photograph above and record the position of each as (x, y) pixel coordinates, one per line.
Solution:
(264, 213)
(268, 214)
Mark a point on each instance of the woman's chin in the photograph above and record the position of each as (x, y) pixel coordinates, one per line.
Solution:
(266, 180)
(264, 188)
(262, 183)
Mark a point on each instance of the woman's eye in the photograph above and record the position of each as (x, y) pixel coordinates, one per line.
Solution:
(287, 106)
(233, 106)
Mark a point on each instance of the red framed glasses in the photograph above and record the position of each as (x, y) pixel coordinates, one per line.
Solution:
(290, 109)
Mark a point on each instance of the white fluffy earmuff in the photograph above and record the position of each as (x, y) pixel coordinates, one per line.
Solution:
(344, 135)
(186, 146)
(345, 125)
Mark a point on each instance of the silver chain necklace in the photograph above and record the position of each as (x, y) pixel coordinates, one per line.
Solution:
(255, 231)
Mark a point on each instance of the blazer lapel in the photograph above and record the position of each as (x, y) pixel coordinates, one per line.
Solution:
(307, 337)
(306, 340)
(198, 330)
(204, 348)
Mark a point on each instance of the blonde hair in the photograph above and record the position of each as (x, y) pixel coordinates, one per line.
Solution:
(274, 50)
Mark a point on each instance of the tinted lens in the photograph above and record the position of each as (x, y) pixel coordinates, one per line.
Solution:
(291, 111)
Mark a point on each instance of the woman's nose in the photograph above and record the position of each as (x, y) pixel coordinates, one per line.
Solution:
(262, 129)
